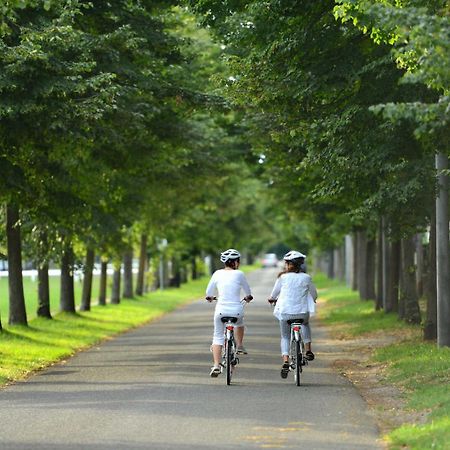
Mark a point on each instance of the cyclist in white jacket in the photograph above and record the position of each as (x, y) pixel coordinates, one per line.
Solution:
(294, 294)
(227, 284)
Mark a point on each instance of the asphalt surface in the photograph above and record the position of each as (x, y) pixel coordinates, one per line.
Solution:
(150, 389)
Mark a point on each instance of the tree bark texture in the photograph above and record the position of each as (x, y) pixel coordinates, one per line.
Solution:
(17, 311)
(362, 264)
(340, 263)
(128, 274)
(355, 262)
(142, 265)
(379, 268)
(103, 283)
(430, 326)
(371, 269)
(67, 295)
(330, 265)
(194, 272)
(43, 309)
(411, 300)
(175, 279)
(386, 264)
(87, 281)
(442, 254)
(115, 292)
(419, 263)
(392, 300)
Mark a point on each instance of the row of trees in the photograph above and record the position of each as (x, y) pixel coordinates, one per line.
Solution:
(112, 138)
(348, 103)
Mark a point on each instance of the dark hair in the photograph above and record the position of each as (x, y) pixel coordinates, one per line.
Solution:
(296, 265)
(232, 263)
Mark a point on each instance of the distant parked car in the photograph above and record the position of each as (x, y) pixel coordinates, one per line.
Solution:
(269, 260)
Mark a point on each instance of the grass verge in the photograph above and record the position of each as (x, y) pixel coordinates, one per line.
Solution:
(45, 341)
(419, 370)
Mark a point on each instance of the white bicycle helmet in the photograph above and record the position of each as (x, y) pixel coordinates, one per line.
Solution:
(292, 255)
(231, 253)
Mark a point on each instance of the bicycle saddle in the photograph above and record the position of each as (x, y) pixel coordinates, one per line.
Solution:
(291, 321)
(225, 319)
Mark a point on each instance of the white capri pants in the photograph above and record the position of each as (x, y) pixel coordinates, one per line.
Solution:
(219, 326)
(285, 330)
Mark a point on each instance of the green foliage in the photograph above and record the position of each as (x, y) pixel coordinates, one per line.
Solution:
(310, 85)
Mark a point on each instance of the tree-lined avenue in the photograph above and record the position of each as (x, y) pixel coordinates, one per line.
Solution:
(150, 388)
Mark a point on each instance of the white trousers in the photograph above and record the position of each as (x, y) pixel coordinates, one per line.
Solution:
(219, 326)
(285, 330)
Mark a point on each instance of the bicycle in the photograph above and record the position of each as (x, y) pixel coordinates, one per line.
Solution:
(229, 348)
(297, 357)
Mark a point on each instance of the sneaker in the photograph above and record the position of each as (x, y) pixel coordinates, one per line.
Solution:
(241, 350)
(215, 371)
(285, 370)
(309, 355)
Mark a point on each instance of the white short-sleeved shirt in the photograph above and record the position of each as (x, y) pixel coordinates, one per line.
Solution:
(227, 284)
(295, 294)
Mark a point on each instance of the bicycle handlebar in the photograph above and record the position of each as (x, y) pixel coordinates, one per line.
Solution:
(247, 299)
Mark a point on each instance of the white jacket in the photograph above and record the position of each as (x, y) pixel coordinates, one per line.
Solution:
(295, 294)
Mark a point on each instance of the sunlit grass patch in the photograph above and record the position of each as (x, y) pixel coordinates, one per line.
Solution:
(24, 349)
(419, 369)
(433, 436)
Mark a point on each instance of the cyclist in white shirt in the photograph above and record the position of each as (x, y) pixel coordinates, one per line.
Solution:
(227, 284)
(295, 295)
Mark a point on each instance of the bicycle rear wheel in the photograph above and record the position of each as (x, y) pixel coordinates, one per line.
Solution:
(229, 359)
(298, 363)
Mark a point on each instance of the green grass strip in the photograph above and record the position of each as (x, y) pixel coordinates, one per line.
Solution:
(45, 341)
(418, 369)
(25, 349)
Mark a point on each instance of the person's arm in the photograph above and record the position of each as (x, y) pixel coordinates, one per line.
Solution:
(312, 290)
(211, 289)
(276, 289)
(245, 286)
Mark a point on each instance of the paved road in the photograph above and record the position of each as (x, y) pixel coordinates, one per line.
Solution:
(150, 389)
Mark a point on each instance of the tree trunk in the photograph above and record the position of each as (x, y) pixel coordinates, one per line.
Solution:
(411, 300)
(355, 262)
(362, 264)
(175, 280)
(442, 254)
(379, 268)
(371, 246)
(87, 281)
(142, 265)
(420, 263)
(392, 300)
(430, 326)
(17, 311)
(386, 260)
(194, 268)
(340, 272)
(67, 295)
(330, 265)
(103, 283)
(348, 260)
(43, 309)
(128, 274)
(115, 292)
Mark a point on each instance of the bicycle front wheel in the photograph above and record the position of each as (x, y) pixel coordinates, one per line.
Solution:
(298, 363)
(229, 359)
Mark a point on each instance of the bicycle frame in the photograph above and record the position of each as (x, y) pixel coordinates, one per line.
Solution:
(297, 349)
(229, 358)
